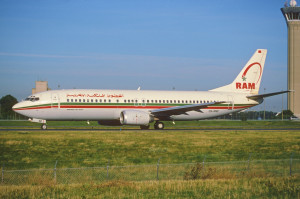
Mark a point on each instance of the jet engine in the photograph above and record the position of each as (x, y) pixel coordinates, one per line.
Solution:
(133, 117)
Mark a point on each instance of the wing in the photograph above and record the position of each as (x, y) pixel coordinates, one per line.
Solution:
(256, 97)
(178, 110)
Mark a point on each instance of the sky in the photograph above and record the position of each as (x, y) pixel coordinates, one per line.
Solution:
(155, 45)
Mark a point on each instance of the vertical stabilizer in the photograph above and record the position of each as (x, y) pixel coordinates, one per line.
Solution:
(248, 81)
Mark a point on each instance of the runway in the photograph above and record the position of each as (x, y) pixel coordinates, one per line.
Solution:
(129, 129)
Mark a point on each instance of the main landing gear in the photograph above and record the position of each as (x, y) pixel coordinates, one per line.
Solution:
(145, 127)
(44, 127)
(159, 125)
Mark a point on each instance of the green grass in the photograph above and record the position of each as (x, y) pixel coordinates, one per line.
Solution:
(225, 188)
(202, 124)
(40, 149)
(25, 149)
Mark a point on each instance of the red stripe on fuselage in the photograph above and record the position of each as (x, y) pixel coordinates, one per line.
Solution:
(127, 107)
(33, 108)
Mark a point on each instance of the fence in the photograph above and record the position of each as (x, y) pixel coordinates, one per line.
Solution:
(184, 171)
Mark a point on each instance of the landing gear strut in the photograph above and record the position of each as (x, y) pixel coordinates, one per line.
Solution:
(159, 125)
(44, 126)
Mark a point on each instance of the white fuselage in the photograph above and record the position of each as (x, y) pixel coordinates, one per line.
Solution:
(88, 104)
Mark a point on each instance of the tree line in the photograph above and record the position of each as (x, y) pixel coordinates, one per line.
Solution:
(6, 112)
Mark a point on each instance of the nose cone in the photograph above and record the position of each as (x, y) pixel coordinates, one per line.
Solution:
(16, 107)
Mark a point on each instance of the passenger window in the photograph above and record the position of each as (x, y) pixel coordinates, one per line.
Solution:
(147, 101)
(79, 100)
(83, 100)
(109, 101)
(92, 100)
(71, 100)
(163, 101)
(155, 101)
(117, 101)
(159, 101)
(67, 100)
(75, 100)
(100, 100)
(104, 100)
(124, 101)
(171, 101)
(96, 100)
(194, 101)
(87, 100)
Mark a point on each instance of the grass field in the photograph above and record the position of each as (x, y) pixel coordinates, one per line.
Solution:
(40, 149)
(235, 188)
(202, 124)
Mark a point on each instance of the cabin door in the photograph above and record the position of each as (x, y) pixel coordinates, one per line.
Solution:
(55, 103)
(230, 102)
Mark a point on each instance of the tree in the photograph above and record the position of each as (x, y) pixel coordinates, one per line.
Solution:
(286, 114)
(7, 102)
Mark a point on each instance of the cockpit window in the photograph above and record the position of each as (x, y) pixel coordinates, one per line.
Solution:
(33, 99)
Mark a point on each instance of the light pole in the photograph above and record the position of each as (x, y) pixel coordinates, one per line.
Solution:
(282, 109)
(264, 105)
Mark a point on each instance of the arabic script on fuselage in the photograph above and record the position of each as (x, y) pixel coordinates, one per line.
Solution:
(96, 95)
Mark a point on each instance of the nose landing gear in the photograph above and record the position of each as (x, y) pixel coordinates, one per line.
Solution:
(44, 127)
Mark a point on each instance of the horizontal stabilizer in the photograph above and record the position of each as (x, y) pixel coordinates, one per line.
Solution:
(256, 97)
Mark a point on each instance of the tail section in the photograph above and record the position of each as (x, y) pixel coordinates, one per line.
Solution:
(248, 81)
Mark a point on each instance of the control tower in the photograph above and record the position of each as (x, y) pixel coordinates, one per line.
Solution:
(291, 12)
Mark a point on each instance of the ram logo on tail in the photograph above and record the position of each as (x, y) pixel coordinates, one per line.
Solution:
(248, 80)
(249, 85)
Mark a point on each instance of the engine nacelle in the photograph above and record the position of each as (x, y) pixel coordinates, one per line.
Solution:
(133, 117)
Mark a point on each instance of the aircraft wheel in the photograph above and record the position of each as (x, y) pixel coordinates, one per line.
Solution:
(44, 126)
(159, 125)
(145, 127)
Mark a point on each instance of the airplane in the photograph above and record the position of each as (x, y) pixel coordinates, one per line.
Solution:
(142, 107)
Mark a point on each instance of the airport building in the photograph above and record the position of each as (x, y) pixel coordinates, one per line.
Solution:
(40, 86)
(291, 12)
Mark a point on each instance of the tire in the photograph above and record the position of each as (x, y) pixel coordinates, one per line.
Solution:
(145, 127)
(44, 127)
(159, 126)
